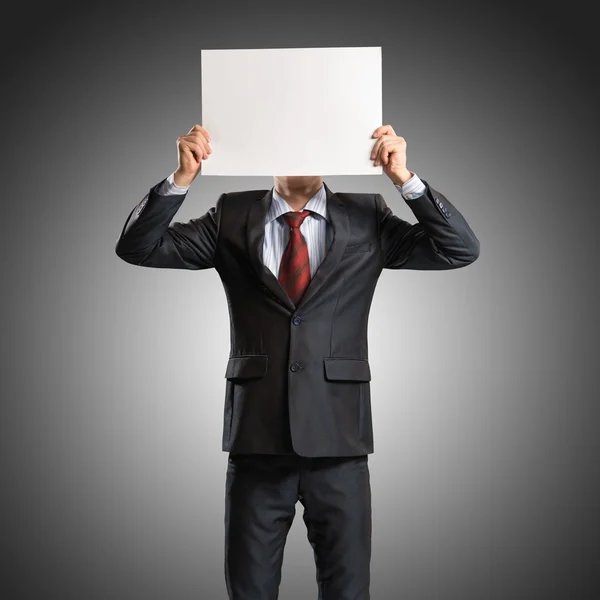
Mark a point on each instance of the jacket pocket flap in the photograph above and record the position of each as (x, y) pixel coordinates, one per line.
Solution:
(353, 369)
(246, 367)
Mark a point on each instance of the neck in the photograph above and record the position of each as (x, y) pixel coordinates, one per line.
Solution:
(298, 195)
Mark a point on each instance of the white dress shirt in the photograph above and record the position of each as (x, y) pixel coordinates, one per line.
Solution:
(315, 228)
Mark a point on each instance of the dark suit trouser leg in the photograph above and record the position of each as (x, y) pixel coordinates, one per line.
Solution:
(261, 494)
(336, 495)
(260, 505)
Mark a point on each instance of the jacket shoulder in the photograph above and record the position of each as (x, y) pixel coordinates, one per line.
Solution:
(244, 196)
(355, 196)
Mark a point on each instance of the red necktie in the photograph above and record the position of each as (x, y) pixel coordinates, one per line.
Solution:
(294, 269)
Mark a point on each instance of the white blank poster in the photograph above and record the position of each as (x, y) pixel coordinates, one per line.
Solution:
(291, 111)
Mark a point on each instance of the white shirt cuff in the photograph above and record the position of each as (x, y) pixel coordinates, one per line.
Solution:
(413, 188)
(170, 188)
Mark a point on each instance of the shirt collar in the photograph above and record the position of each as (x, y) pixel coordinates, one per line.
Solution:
(279, 206)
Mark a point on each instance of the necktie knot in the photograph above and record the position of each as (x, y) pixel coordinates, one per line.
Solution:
(295, 219)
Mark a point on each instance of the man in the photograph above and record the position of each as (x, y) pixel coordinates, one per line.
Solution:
(299, 265)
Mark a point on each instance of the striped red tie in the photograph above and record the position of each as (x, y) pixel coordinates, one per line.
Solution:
(294, 269)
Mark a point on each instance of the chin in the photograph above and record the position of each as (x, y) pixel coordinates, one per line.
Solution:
(300, 178)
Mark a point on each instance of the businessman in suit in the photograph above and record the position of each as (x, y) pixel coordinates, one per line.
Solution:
(299, 265)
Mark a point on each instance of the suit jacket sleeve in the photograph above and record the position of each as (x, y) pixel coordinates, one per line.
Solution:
(148, 238)
(442, 238)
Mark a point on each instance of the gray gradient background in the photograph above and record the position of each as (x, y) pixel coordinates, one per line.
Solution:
(485, 474)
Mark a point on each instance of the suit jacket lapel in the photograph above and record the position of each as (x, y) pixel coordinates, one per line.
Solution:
(255, 233)
(338, 216)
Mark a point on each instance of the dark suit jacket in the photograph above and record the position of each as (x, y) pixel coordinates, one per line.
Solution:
(298, 376)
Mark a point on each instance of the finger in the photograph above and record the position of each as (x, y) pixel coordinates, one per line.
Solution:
(203, 140)
(383, 130)
(192, 156)
(376, 147)
(197, 143)
(201, 129)
(198, 128)
(395, 144)
(185, 151)
(187, 160)
(197, 150)
(385, 153)
(384, 144)
(199, 138)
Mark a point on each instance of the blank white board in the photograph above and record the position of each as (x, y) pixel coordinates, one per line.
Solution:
(291, 111)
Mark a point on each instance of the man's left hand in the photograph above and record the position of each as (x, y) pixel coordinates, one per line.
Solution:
(390, 152)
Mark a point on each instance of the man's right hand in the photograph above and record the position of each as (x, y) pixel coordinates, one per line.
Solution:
(193, 148)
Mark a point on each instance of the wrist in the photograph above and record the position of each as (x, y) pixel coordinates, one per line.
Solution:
(401, 177)
(183, 179)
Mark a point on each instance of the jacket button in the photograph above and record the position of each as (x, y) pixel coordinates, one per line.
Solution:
(296, 320)
(294, 367)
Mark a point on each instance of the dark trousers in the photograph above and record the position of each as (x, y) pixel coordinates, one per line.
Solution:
(261, 495)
